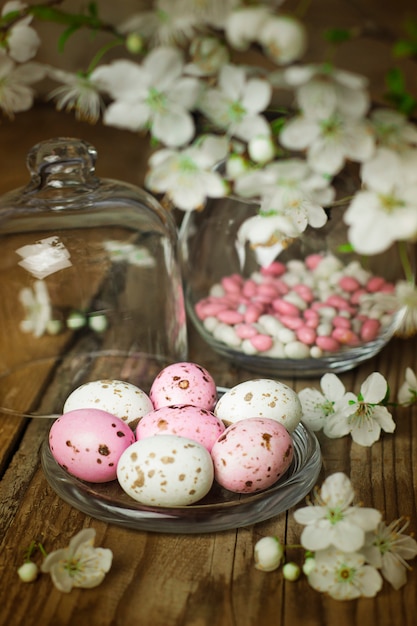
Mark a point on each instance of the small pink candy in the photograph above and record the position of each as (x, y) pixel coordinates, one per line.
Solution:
(206, 308)
(232, 283)
(313, 260)
(291, 321)
(245, 331)
(249, 288)
(274, 269)
(282, 287)
(306, 335)
(370, 329)
(269, 290)
(349, 283)
(338, 302)
(229, 316)
(329, 344)
(261, 342)
(285, 308)
(304, 292)
(346, 336)
(341, 322)
(388, 288)
(375, 283)
(311, 314)
(356, 296)
(252, 313)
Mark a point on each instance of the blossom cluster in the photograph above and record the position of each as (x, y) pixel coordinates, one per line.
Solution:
(350, 549)
(78, 565)
(180, 61)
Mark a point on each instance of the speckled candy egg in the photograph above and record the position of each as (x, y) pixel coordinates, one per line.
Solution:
(184, 420)
(184, 383)
(117, 397)
(261, 397)
(87, 443)
(251, 455)
(166, 471)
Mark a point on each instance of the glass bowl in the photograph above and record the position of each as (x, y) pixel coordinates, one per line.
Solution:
(219, 510)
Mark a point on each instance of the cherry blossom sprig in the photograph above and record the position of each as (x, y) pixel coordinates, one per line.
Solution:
(78, 565)
(348, 549)
(364, 416)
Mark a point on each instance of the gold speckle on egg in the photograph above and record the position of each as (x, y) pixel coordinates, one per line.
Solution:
(248, 396)
(134, 456)
(266, 440)
(103, 450)
(184, 384)
(181, 477)
(140, 479)
(151, 473)
(167, 459)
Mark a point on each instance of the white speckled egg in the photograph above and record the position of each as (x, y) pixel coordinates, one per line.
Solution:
(117, 397)
(184, 420)
(184, 383)
(166, 471)
(251, 455)
(88, 443)
(262, 397)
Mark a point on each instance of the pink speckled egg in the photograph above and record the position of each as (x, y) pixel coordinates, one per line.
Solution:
(252, 455)
(117, 397)
(184, 420)
(184, 383)
(88, 443)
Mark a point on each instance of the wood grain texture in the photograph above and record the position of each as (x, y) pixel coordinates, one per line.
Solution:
(208, 579)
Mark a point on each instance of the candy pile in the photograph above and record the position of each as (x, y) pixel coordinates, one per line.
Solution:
(297, 310)
(167, 448)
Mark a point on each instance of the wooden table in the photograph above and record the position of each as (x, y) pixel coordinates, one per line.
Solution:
(208, 579)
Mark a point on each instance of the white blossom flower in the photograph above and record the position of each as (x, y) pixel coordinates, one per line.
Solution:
(385, 211)
(235, 105)
(243, 25)
(344, 575)
(187, 175)
(153, 96)
(15, 93)
(268, 553)
(332, 520)
(318, 405)
(405, 299)
(283, 39)
(208, 55)
(389, 549)
(407, 393)
(393, 129)
(80, 564)
(37, 307)
(22, 40)
(79, 93)
(322, 90)
(365, 417)
(329, 141)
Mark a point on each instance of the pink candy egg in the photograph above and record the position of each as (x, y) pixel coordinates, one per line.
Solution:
(184, 383)
(252, 455)
(88, 443)
(184, 420)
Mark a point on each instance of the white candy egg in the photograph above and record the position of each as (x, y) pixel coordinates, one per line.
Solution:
(166, 470)
(120, 398)
(262, 397)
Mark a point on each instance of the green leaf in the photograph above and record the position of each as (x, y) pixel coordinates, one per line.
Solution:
(66, 35)
(405, 48)
(337, 35)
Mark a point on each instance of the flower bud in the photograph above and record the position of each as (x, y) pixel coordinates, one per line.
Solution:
(291, 571)
(134, 43)
(28, 572)
(268, 553)
(76, 320)
(261, 149)
(309, 565)
(98, 323)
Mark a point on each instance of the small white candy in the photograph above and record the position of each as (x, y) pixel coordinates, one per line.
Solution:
(247, 347)
(270, 324)
(295, 266)
(327, 312)
(277, 351)
(216, 291)
(226, 334)
(294, 298)
(297, 350)
(290, 279)
(210, 323)
(285, 335)
(324, 329)
(316, 352)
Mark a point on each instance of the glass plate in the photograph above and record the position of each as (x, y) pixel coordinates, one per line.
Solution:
(219, 510)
